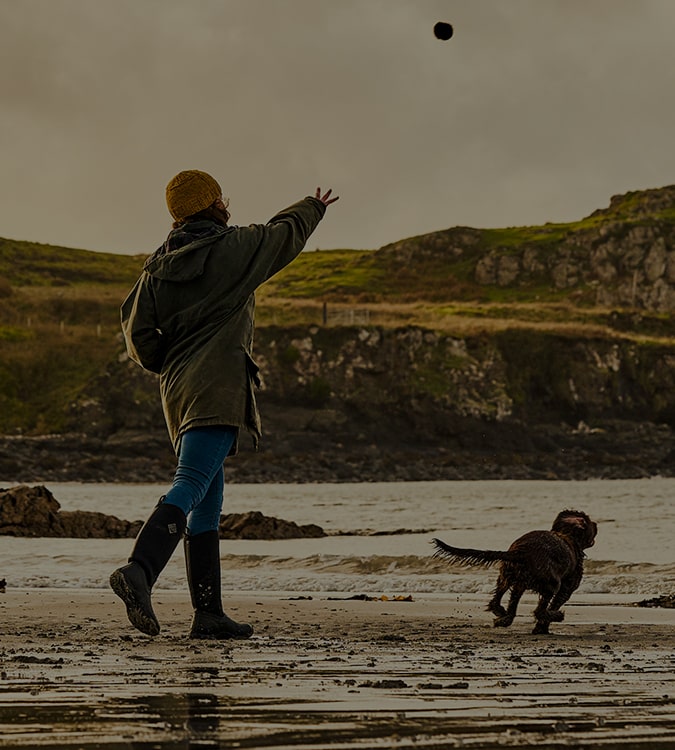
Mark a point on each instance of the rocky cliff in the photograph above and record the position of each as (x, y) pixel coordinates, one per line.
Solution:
(620, 256)
(368, 403)
(541, 392)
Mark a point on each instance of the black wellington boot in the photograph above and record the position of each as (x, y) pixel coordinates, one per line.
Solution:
(155, 543)
(202, 558)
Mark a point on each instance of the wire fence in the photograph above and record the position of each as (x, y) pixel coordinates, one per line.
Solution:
(353, 316)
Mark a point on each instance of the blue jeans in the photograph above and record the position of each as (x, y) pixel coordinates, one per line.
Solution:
(198, 483)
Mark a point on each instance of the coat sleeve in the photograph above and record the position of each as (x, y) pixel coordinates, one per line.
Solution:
(142, 336)
(289, 230)
(264, 249)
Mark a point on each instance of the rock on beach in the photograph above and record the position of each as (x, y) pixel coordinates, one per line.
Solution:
(35, 512)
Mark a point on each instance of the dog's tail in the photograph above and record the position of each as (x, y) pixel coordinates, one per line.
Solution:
(461, 556)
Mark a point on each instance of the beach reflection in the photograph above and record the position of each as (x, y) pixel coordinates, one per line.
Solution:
(404, 692)
(175, 721)
(203, 715)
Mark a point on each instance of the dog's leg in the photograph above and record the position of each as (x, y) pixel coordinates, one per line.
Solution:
(507, 618)
(495, 605)
(542, 614)
(566, 590)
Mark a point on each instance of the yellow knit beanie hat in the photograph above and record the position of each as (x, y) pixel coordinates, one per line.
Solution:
(190, 192)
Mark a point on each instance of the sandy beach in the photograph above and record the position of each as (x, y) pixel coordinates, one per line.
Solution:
(333, 673)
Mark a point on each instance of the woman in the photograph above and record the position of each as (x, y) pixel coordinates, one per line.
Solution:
(190, 318)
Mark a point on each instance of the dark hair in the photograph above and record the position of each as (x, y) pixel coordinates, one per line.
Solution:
(212, 213)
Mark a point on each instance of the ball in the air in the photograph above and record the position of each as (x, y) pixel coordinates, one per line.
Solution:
(443, 30)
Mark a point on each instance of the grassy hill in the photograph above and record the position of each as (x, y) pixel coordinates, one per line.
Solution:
(596, 276)
(36, 264)
(59, 319)
(435, 270)
(59, 324)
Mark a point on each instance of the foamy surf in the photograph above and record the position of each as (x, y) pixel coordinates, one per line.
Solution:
(633, 555)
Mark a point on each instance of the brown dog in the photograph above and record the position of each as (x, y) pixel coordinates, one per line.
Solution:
(550, 563)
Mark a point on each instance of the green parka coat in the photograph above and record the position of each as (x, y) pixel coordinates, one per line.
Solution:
(190, 316)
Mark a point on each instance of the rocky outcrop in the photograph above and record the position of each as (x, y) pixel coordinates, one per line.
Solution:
(35, 512)
(667, 601)
(615, 265)
(254, 525)
(620, 256)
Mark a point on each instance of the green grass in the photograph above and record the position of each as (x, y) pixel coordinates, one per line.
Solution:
(13, 333)
(41, 374)
(35, 264)
(315, 274)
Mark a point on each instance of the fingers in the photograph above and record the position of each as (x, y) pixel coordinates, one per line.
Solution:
(325, 198)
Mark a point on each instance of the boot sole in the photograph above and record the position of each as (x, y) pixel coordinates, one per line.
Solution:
(219, 637)
(219, 629)
(138, 617)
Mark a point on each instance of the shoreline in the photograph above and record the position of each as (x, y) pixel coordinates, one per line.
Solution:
(619, 450)
(326, 672)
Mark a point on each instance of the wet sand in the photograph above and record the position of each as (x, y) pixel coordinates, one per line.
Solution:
(321, 673)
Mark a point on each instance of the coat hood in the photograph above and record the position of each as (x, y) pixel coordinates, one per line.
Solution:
(183, 255)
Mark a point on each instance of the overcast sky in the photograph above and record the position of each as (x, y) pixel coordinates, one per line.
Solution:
(535, 111)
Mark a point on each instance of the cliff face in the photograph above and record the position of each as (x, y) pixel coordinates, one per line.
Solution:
(408, 403)
(533, 377)
(424, 380)
(626, 266)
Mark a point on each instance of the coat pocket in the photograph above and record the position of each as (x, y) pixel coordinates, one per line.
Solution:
(253, 370)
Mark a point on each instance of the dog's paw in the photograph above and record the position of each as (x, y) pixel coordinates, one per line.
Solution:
(503, 622)
(497, 610)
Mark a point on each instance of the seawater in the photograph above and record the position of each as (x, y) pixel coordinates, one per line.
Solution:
(379, 536)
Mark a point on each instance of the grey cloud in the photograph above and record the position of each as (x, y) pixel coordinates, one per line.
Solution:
(536, 110)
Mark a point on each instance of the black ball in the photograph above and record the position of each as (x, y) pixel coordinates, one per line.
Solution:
(443, 30)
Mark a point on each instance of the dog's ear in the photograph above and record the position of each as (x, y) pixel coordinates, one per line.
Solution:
(577, 524)
(567, 518)
(592, 532)
(589, 532)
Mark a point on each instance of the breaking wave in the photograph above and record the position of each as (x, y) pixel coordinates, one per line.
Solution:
(633, 554)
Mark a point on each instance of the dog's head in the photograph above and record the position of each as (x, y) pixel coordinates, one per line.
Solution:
(577, 525)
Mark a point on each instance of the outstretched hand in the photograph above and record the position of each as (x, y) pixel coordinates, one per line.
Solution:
(325, 198)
